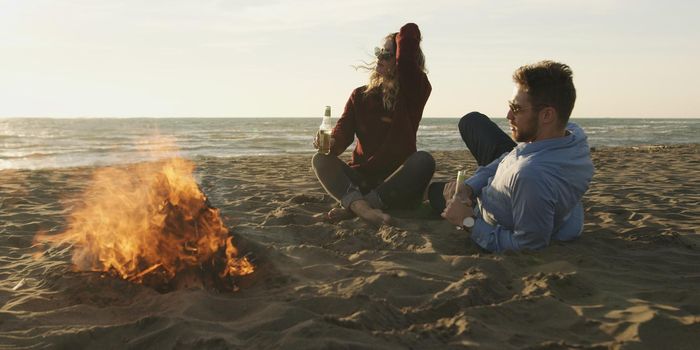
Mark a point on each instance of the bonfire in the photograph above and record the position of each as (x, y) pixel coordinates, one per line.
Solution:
(150, 223)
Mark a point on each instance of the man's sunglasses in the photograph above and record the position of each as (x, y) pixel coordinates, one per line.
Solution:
(516, 108)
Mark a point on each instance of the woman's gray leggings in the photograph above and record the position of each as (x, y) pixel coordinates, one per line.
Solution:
(402, 190)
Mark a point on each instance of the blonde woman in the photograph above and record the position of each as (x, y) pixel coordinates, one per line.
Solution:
(385, 171)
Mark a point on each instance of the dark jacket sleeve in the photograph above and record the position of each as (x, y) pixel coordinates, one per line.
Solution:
(344, 130)
(411, 75)
(413, 94)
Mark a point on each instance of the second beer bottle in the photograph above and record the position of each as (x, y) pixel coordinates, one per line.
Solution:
(324, 132)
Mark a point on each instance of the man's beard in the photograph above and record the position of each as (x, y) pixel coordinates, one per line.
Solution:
(527, 135)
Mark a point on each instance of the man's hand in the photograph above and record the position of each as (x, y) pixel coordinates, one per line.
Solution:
(464, 193)
(449, 191)
(456, 212)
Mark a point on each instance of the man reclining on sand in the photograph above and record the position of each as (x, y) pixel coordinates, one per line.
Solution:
(527, 193)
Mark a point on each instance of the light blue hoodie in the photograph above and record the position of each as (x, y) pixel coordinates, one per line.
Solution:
(533, 194)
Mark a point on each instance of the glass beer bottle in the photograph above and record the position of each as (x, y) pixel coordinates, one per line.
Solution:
(324, 132)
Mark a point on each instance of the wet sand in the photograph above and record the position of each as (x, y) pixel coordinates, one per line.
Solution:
(632, 280)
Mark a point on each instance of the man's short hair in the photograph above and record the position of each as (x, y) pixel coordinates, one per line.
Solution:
(548, 83)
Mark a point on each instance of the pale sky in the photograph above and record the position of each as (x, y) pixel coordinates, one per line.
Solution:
(289, 58)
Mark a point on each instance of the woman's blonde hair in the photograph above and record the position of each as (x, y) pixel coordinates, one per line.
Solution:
(389, 84)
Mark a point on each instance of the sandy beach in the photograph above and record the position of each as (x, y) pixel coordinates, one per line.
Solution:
(632, 281)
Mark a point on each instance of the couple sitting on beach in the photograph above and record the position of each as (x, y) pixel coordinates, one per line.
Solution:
(526, 191)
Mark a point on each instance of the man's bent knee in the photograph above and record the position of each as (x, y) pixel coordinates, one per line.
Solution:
(471, 120)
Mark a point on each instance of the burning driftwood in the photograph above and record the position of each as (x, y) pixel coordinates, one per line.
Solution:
(150, 223)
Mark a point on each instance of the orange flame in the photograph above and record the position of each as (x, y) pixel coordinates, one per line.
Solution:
(146, 217)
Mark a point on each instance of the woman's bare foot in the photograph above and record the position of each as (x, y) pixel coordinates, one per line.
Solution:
(366, 212)
(339, 214)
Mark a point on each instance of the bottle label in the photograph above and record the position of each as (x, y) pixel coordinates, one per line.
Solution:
(324, 141)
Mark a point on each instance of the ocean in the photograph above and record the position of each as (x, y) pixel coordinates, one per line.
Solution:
(36, 143)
